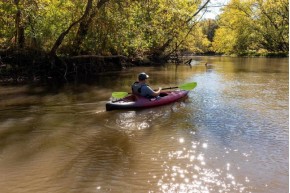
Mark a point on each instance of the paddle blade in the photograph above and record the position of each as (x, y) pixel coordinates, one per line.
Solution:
(188, 86)
(119, 95)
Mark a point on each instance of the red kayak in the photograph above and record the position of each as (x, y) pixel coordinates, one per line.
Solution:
(134, 102)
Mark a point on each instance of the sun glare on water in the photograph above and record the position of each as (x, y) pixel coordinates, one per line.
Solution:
(186, 171)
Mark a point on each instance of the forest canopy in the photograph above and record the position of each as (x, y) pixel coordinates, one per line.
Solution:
(73, 27)
(132, 28)
(253, 26)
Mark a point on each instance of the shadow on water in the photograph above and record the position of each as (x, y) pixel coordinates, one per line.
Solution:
(226, 136)
(82, 151)
(98, 158)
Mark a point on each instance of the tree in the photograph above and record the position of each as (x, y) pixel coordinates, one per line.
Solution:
(64, 33)
(7, 23)
(273, 24)
(208, 27)
(85, 23)
(253, 25)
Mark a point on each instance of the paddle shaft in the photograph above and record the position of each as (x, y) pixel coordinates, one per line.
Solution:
(187, 86)
(163, 88)
(168, 88)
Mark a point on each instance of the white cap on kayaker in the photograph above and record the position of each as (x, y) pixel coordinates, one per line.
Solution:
(143, 76)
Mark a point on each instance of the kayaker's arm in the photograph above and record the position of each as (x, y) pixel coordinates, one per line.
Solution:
(157, 93)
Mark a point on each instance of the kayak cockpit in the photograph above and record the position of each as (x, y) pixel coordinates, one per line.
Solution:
(134, 102)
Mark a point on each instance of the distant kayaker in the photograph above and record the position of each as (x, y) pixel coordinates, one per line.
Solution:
(141, 88)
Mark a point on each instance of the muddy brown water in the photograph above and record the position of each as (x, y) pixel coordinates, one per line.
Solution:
(230, 134)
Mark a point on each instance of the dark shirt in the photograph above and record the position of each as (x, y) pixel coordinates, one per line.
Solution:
(142, 89)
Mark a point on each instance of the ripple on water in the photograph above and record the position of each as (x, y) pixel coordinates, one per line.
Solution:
(186, 170)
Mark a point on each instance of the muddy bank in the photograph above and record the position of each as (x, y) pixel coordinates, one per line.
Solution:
(36, 66)
(31, 65)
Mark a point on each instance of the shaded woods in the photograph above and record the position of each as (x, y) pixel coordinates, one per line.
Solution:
(65, 40)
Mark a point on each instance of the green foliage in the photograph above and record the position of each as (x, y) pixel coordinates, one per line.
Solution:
(7, 21)
(253, 25)
(134, 28)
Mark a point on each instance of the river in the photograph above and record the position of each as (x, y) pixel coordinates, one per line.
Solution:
(230, 134)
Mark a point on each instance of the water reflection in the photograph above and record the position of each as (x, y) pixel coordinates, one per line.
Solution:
(192, 173)
(225, 137)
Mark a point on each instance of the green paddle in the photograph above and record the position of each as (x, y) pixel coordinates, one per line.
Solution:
(186, 86)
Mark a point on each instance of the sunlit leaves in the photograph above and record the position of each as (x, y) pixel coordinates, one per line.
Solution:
(7, 12)
(257, 25)
(136, 27)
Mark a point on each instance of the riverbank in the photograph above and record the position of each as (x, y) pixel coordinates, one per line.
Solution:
(35, 66)
(26, 66)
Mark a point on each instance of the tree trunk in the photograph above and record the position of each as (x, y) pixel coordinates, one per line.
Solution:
(84, 26)
(61, 37)
(59, 40)
(19, 32)
(164, 46)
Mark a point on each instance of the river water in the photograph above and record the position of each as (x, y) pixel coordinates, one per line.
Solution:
(230, 134)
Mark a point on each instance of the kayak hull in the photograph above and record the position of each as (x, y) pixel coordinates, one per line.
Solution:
(133, 102)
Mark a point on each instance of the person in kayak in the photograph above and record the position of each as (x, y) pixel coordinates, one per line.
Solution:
(141, 88)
